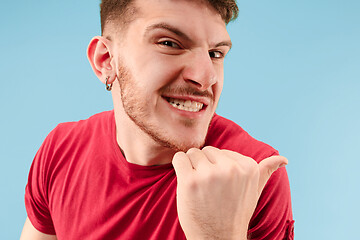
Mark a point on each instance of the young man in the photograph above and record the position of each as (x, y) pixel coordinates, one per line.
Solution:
(162, 164)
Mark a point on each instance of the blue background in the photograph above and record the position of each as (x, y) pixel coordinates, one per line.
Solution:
(292, 80)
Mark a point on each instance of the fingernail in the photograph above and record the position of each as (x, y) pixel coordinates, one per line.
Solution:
(282, 165)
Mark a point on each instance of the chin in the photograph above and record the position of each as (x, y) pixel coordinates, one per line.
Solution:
(190, 136)
(188, 141)
(184, 147)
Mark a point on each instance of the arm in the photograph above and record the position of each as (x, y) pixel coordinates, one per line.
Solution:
(29, 232)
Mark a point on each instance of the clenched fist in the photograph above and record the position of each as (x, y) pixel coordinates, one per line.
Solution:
(218, 190)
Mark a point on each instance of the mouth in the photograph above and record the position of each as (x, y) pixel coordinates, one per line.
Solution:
(186, 105)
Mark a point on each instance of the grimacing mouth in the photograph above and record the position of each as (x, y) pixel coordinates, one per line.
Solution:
(186, 104)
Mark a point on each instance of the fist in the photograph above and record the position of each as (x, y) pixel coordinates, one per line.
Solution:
(217, 191)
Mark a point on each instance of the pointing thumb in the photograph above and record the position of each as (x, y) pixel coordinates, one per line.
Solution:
(267, 167)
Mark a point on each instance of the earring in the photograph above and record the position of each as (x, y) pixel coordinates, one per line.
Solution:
(108, 86)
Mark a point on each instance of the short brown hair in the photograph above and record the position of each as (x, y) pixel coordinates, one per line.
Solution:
(124, 11)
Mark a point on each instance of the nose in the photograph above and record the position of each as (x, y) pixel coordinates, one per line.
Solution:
(200, 71)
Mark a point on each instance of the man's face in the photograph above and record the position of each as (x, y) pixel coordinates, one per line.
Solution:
(170, 70)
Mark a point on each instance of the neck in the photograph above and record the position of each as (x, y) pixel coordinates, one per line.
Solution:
(137, 146)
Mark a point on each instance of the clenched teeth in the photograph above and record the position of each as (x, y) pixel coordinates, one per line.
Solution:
(185, 105)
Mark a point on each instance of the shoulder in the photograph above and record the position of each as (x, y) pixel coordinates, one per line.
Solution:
(82, 128)
(68, 143)
(68, 137)
(226, 134)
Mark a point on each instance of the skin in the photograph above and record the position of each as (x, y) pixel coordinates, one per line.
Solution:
(159, 63)
(176, 49)
(218, 190)
(31, 233)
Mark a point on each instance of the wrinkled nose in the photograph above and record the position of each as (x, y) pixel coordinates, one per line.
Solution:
(200, 71)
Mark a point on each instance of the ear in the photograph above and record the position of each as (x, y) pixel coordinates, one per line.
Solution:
(100, 58)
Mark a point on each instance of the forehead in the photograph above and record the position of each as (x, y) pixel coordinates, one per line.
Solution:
(196, 17)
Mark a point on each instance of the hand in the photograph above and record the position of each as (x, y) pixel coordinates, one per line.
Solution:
(218, 190)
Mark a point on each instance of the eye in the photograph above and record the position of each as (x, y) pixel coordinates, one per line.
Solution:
(216, 54)
(170, 44)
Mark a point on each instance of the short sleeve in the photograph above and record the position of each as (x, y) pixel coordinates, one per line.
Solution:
(36, 190)
(273, 218)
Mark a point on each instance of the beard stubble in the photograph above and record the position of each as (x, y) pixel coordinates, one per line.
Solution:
(135, 107)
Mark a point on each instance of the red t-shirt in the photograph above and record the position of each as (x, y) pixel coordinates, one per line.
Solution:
(81, 187)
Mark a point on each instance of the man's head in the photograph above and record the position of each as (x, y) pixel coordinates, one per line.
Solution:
(167, 67)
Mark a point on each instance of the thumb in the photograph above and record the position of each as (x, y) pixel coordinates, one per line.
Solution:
(267, 167)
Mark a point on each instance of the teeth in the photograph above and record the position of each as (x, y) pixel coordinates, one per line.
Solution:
(190, 106)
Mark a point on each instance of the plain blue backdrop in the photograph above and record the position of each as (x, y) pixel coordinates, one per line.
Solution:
(292, 80)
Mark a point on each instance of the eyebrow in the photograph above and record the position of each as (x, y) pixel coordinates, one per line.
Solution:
(179, 33)
(224, 43)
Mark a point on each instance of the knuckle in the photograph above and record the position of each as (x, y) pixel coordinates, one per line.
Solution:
(230, 170)
(253, 170)
(248, 168)
(206, 179)
(192, 151)
(175, 160)
(211, 177)
(208, 148)
(253, 164)
(178, 155)
(249, 163)
(193, 184)
(233, 168)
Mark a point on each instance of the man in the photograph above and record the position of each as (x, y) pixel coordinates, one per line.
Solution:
(162, 164)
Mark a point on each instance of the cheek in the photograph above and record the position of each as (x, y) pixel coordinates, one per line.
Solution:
(157, 70)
